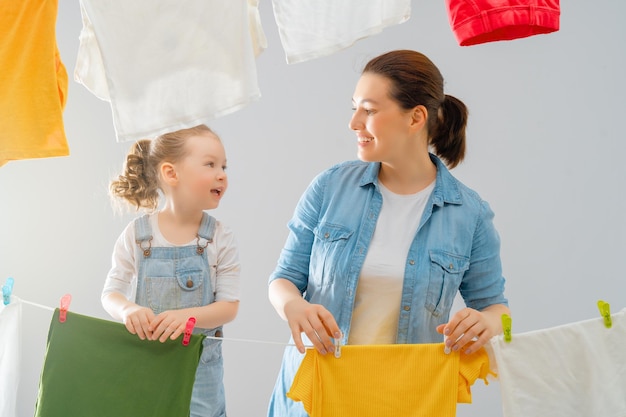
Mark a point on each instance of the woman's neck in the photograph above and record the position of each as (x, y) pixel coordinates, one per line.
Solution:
(408, 176)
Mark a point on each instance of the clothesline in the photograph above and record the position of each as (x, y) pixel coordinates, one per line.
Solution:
(230, 339)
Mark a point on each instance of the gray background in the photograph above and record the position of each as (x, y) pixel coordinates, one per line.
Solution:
(546, 148)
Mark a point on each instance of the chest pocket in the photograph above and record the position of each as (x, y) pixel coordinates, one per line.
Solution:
(446, 273)
(327, 253)
(172, 285)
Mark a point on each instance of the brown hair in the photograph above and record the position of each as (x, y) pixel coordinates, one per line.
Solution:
(139, 183)
(415, 80)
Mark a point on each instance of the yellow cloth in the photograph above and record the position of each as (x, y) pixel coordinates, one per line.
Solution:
(409, 380)
(33, 82)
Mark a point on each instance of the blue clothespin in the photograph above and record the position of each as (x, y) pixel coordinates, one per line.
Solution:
(506, 327)
(605, 311)
(7, 289)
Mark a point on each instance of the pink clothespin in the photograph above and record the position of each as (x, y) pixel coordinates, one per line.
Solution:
(65, 305)
(188, 330)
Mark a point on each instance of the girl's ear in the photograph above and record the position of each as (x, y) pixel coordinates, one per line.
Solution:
(168, 173)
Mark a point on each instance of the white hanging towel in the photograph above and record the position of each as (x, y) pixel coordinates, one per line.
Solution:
(574, 370)
(312, 29)
(10, 341)
(166, 65)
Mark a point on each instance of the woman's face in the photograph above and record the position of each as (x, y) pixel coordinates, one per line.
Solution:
(380, 124)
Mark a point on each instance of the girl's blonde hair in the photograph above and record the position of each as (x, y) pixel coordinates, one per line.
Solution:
(139, 185)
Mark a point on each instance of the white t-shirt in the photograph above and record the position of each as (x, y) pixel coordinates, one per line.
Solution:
(122, 277)
(378, 294)
(167, 65)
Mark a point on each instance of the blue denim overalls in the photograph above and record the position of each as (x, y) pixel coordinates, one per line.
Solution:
(171, 278)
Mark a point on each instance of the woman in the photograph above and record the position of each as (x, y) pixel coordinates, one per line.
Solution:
(380, 246)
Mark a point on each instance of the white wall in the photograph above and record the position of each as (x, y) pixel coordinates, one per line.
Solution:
(545, 148)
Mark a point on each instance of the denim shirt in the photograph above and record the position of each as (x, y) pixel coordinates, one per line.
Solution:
(456, 248)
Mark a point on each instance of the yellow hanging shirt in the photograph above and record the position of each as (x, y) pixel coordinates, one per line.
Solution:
(33, 82)
(409, 380)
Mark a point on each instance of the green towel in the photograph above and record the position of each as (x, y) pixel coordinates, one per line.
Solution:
(96, 368)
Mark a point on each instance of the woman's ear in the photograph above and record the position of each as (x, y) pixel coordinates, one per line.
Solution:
(419, 116)
(168, 173)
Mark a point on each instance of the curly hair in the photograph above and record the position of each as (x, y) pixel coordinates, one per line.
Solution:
(139, 183)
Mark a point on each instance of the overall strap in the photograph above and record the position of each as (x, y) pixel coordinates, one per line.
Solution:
(143, 233)
(207, 227)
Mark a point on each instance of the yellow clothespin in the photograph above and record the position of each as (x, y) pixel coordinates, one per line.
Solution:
(605, 311)
(506, 327)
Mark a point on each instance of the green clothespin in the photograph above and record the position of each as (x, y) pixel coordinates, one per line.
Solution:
(506, 327)
(605, 311)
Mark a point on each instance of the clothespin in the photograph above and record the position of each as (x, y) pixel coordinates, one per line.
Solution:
(337, 342)
(188, 330)
(65, 305)
(506, 327)
(7, 289)
(605, 311)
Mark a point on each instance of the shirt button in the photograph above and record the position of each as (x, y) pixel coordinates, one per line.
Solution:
(326, 235)
(407, 308)
(411, 262)
(451, 266)
(189, 283)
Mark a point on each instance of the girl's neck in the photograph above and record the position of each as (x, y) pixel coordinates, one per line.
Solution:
(179, 227)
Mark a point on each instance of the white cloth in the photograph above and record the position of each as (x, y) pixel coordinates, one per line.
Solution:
(312, 29)
(10, 347)
(166, 65)
(574, 370)
(223, 251)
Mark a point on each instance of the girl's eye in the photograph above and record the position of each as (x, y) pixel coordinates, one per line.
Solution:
(224, 167)
(210, 164)
(369, 112)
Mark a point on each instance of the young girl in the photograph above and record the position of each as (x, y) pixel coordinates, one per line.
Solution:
(177, 262)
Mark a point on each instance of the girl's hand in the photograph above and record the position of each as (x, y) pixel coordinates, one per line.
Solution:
(468, 330)
(137, 320)
(170, 324)
(315, 321)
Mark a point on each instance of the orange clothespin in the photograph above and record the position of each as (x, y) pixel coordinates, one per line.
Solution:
(506, 327)
(605, 311)
(7, 289)
(65, 305)
(188, 330)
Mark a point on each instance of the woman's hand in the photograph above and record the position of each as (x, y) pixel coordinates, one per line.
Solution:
(468, 330)
(315, 321)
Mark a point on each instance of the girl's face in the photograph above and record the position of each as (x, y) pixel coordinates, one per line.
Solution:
(202, 179)
(381, 125)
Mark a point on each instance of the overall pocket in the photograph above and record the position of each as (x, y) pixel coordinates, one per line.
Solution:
(172, 293)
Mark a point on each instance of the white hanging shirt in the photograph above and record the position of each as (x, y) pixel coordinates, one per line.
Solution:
(166, 65)
(574, 370)
(312, 29)
(10, 348)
